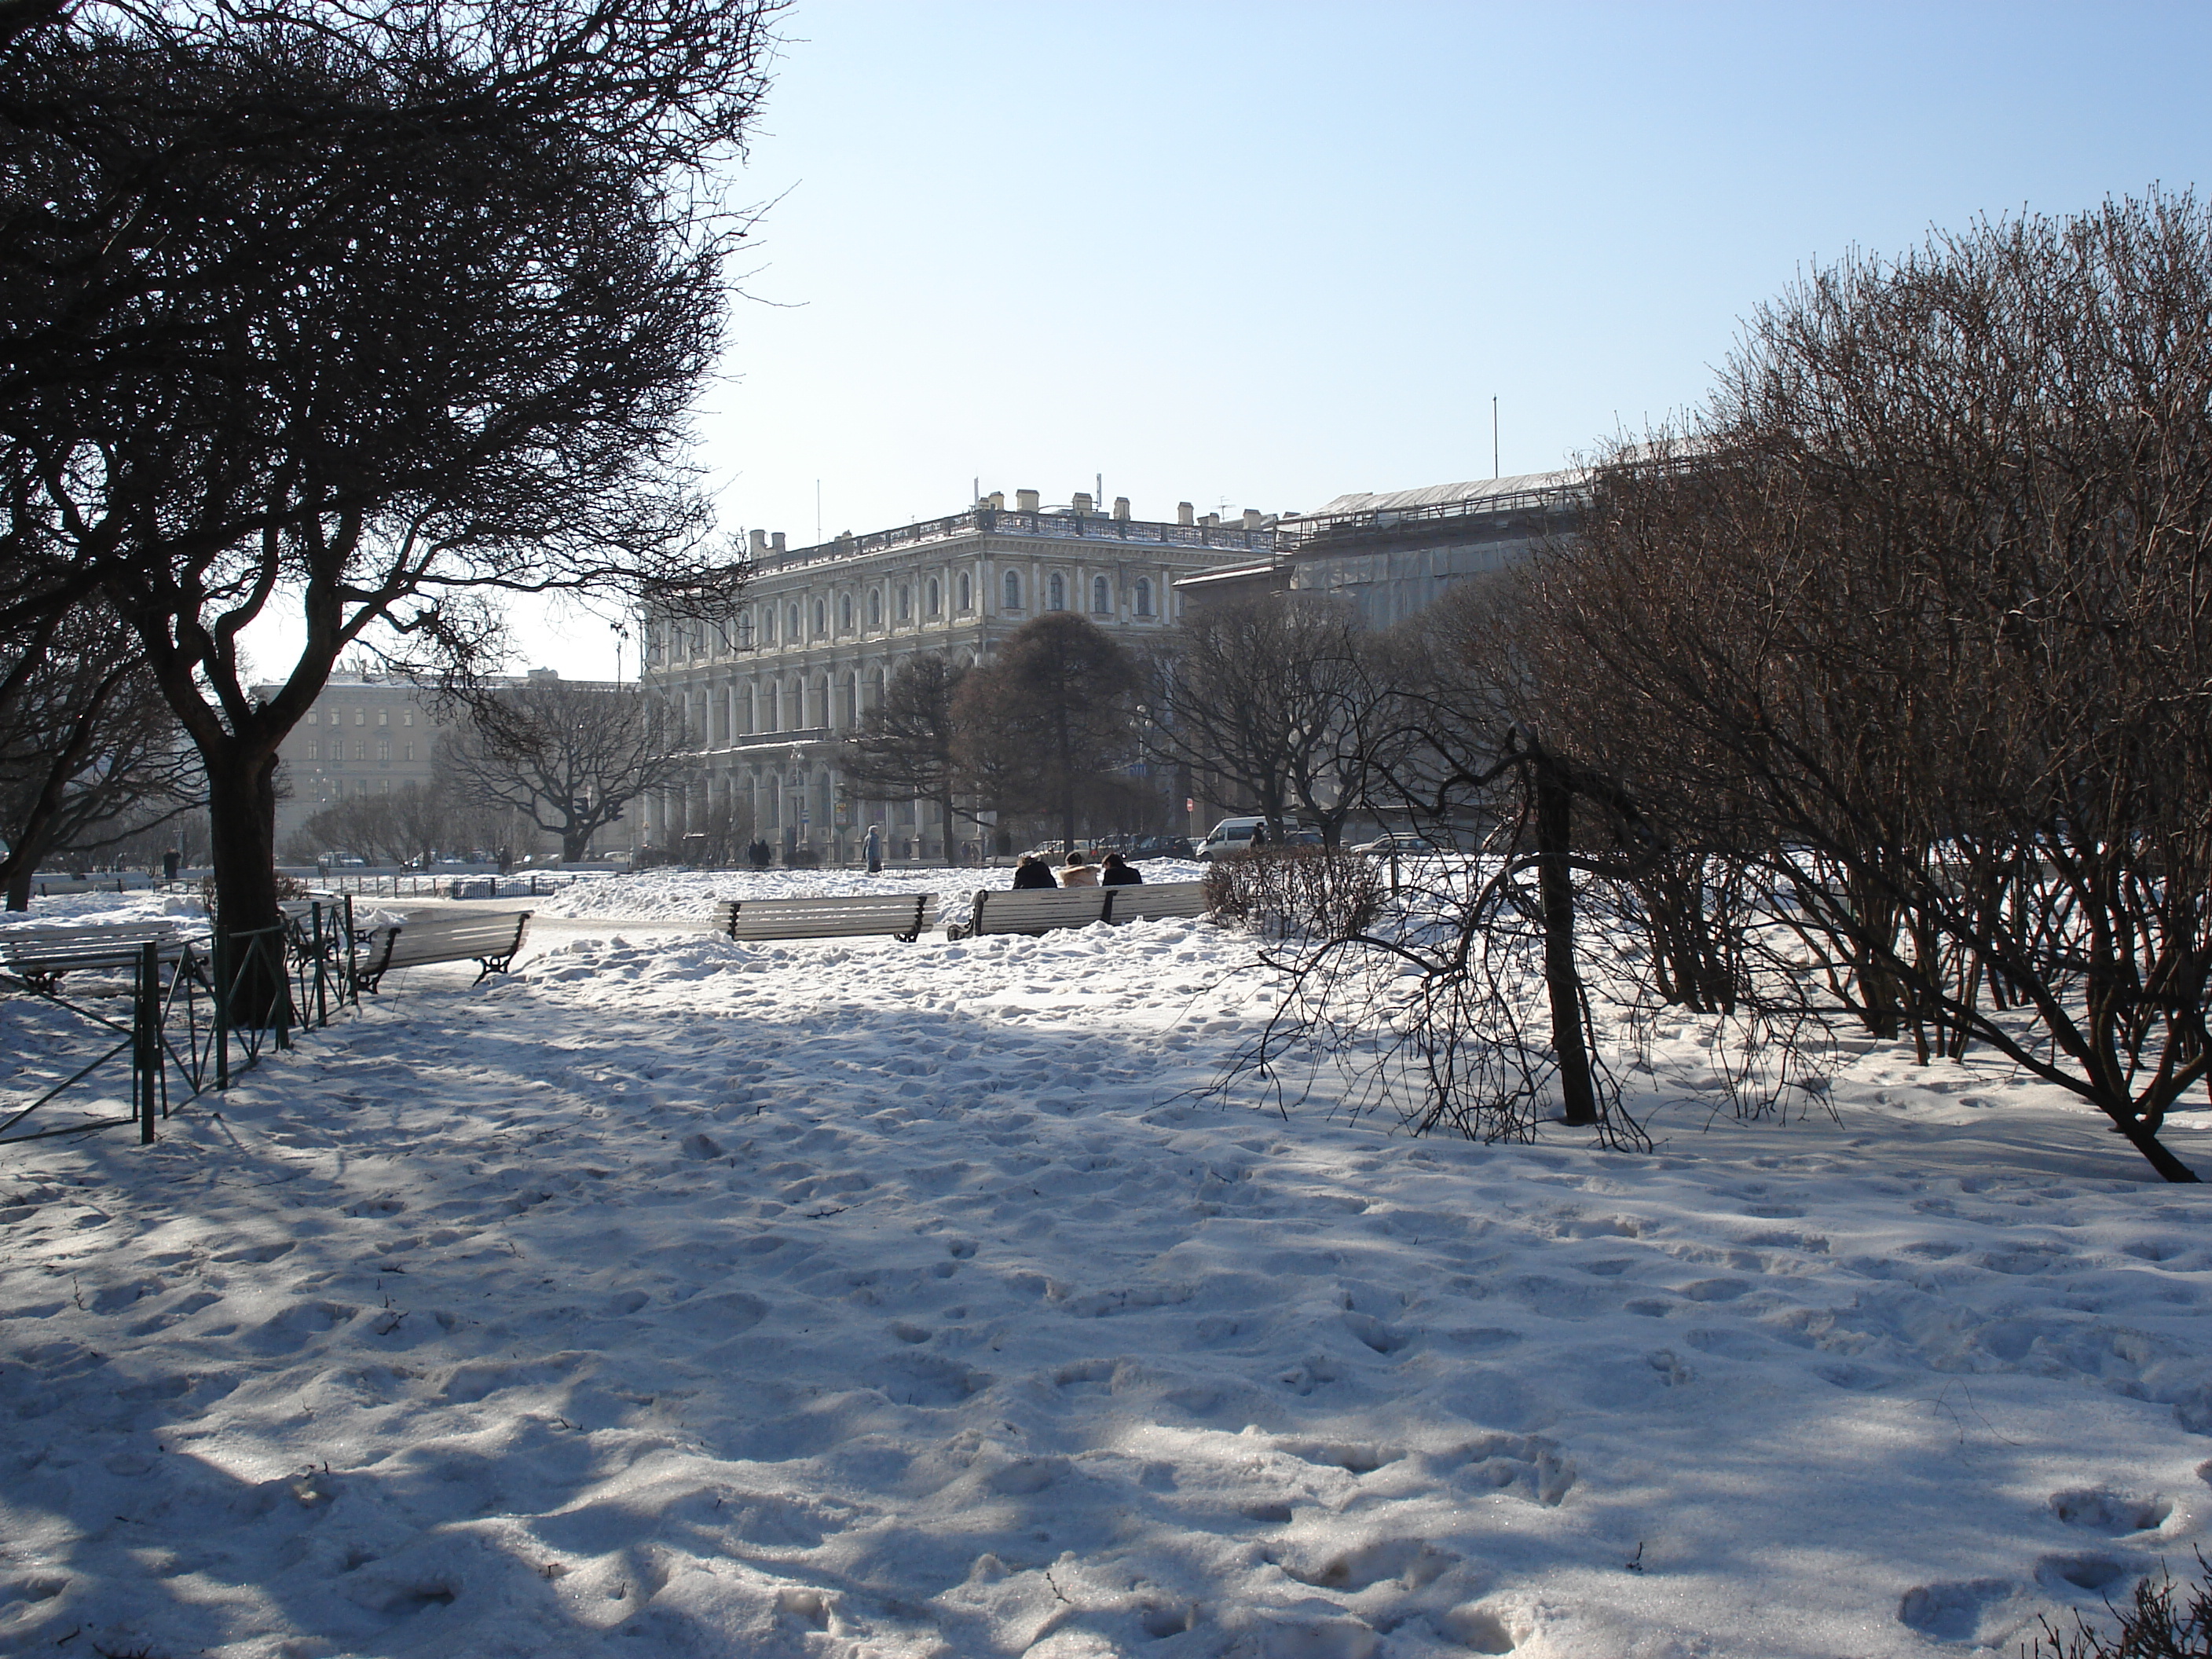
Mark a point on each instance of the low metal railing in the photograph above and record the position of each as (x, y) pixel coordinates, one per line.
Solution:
(199, 1016)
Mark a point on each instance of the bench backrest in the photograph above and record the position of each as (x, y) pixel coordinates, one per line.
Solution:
(1035, 909)
(55, 950)
(1150, 902)
(902, 915)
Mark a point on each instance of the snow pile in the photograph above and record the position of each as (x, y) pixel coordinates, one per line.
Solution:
(679, 1297)
(82, 909)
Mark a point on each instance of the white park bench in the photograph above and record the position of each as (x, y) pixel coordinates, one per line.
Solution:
(1156, 902)
(1040, 910)
(490, 942)
(40, 956)
(901, 916)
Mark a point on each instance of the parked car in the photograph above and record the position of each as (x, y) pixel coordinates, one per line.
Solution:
(1402, 843)
(1160, 846)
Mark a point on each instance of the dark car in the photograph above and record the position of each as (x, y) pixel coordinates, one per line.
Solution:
(1160, 846)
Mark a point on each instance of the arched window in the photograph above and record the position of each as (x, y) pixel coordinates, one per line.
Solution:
(768, 624)
(935, 594)
(876, 691)
(852, 698)
(822, 701)
(1144, 606)
(1101, 602)
(1055, 593)
(1013, 590)
(875, 607)
(967, 599)
(821, 625)
(791, 634)
(774, 712)
(906, 602)
(845, 613)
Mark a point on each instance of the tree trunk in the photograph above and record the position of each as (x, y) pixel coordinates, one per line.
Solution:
(19, 885)
(2143, 1137)
(1556, 891)
(242, 814)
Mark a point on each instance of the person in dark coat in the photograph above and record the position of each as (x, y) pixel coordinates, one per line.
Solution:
(1033, 872)
(1117, 871)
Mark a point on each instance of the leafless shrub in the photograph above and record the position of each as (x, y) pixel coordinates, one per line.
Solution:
(1912, 627)
(2150, 1627)
(1297, 892)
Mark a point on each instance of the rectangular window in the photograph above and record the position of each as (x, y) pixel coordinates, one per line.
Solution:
(361, 717)
(384, 749)
(311, 717)
(314, 749)
(407, 717)
(407, 751)
(361, 750)
(383, 717)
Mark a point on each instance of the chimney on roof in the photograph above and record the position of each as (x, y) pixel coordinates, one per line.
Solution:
(997, 501)
(760, 543)
(1251, 518)
(1212, 521)
(1182, 514)
(775, 542)
(1082, 504)
(1025, 501)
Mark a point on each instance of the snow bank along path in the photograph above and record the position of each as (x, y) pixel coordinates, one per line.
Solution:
(680, 1297)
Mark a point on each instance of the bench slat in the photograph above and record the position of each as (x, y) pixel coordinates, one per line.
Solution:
(1155, 902)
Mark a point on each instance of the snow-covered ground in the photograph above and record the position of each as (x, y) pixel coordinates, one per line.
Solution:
(674, 1296)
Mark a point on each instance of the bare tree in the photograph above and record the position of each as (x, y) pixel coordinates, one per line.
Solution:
(1050, 713)
(906, 747)
(569, 758)
(386, 314)
(89, 754)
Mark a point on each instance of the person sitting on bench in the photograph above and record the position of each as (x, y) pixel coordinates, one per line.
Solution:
(1077, 874)
(1032, 871)
(1118, 871)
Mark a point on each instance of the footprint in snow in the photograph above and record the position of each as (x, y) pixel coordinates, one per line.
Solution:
(2113, 1514)
(1958, 1611)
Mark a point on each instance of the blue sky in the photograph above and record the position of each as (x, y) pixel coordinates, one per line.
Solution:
(1256, 255)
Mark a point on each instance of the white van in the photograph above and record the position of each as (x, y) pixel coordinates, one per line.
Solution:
(1234, 836)
(1230, 835)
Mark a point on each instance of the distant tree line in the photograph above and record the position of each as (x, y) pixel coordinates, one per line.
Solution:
(1277, 706)
(547, 758)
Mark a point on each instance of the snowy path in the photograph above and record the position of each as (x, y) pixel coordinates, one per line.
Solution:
(677, 1297)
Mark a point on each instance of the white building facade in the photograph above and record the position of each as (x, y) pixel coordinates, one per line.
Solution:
(824, 629)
